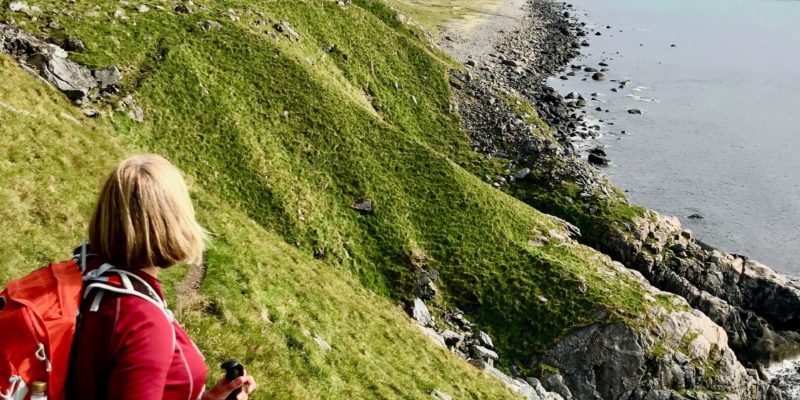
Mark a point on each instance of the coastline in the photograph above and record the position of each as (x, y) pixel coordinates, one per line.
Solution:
(762, 329)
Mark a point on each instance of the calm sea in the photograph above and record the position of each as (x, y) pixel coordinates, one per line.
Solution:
(718, 84)
(719, 133)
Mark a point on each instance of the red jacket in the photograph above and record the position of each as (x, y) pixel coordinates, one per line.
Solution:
(124, 351)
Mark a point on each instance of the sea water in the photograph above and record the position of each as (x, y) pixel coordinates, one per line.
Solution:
(718, 84)
(719, 133)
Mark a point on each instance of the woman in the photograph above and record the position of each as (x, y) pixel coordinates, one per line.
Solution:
(126, 346)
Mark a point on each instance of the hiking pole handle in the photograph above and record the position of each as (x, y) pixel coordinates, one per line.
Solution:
(233, 370)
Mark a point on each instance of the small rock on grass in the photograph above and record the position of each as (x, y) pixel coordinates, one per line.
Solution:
(73, 44)
(363, 205)
(136, 114)
(322, 343)
(211, 25)
(441, 396)
(185, 8)
(107, 78)
(18, 6)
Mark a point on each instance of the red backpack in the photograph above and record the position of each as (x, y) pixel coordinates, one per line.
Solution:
(38, 317)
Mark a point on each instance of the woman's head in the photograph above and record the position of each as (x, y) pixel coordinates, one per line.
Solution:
(144, 216)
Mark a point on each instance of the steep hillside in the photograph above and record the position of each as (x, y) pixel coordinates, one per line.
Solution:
(286, 116)
(262, 300)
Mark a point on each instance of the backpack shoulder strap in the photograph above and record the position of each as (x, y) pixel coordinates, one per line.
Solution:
(81, 256)
(106, 278)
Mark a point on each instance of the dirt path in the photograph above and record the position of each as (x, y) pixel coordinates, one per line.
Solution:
(476, 37)
(186, 290)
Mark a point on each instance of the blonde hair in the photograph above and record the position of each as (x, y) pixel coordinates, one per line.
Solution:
(144, 216)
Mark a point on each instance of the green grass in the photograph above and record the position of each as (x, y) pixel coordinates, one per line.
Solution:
(278, 138)
(266, 295)
(436, 15)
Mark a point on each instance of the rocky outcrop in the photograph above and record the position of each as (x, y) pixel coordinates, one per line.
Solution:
(52, 63)
(759, 309)
(684, 355)
(460, 336)
(49, 60)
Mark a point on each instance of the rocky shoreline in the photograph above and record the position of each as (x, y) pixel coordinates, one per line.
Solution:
(757, 308)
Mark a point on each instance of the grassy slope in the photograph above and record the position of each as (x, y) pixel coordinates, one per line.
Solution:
(265, 295)
(438, 14)
(279, 137)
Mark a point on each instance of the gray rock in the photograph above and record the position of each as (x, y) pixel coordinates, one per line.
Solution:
(441, 396)
(74, 80)
(513, 63)
(635, 111)
(484, 354)
(136, 114)
(420, 313)
(521, 174)
(485, 340)
(107, 78)
(659, 395)
(286, 29)
(321, 342)
(426, 289)
(49, 61)
(598, 160)
(184, 8)
(18, 6)
(363, 205)
(452, 338)
(209, 25)
(599, 76)
(555, 383)
(598, 361)
(73, 44)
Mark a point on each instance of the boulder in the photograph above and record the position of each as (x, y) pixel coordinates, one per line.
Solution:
(485, 340)
(599, 76)
(482, 353)
(555, 383)
(420, 313)
(136, 114)
(18, 6)
(452, 338)
(49, 61)
(426, 289)
(598, 160)
(73, 44)
(433, 335)
(108, 78)
(521, 174)
(74, 80)
(321, 342)
(598, 361)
